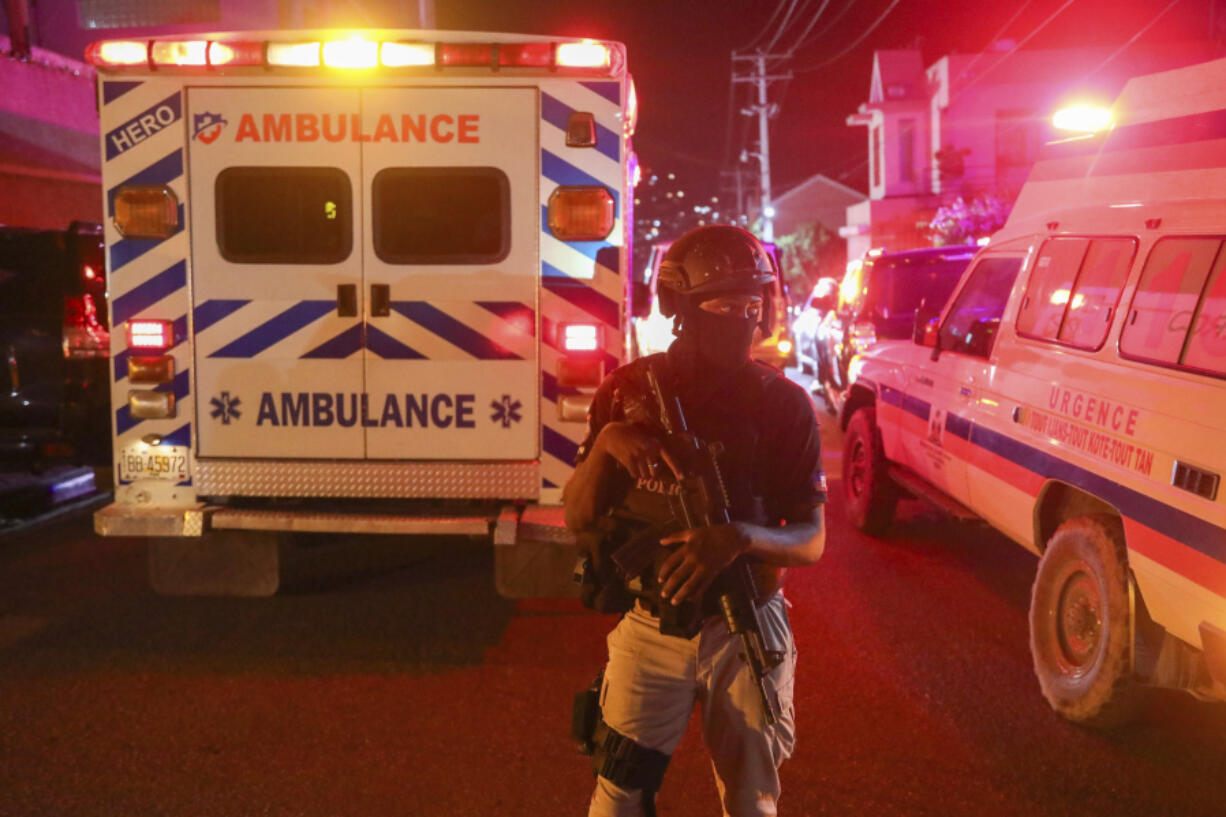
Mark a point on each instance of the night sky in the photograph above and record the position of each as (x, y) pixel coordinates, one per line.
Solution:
(679, 53)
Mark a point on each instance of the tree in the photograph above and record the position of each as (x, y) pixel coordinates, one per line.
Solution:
(961, 223)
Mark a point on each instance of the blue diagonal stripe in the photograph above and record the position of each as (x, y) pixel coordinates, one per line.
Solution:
(558, 445)
(181, 387)
(163, 171)
(339, 347)
(454, 332)
(112, 91)
(276, 329)
(150, 292)
(120, 140)
(591, 249)
(583, 296)
(213, 310)
(388, 348)
(519, 315)
(559, 171)
(129, 249)
(180, 436)
(611, 91)
(550, 389)
(557, 113)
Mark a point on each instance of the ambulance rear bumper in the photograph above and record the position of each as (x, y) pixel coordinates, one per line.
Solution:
(126, 520)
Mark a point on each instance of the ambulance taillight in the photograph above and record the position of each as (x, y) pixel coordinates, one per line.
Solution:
(584, 213)
(151, 336)
(146, 211)
(581, 365)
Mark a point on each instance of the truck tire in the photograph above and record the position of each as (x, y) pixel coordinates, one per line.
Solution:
(871, 495)
(1080, 628)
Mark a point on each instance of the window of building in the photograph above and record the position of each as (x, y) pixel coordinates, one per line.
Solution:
(441, 215)
(875, 156)
(1018, 138)
(906, 150)
(1167, 299)
(971, 325)
(284, 215)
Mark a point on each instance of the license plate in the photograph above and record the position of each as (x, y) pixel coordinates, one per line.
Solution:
(154, 462)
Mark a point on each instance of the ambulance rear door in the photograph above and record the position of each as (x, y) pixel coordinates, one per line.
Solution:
(451, 264)
(276, 186)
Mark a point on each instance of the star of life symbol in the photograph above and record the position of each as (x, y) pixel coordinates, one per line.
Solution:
(225, 408)
(207, 126)
(506, 411)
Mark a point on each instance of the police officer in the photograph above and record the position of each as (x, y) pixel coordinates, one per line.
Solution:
(716, 282)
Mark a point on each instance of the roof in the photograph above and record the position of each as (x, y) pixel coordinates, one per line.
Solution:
(897, 75)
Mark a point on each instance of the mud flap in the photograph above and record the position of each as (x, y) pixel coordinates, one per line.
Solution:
(534, 555)
(219, 563)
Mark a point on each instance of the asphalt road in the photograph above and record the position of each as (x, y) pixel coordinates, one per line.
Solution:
(388, 678)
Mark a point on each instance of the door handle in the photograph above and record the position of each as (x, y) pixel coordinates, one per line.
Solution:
(347, 300)
(964, 391)
(380, 300)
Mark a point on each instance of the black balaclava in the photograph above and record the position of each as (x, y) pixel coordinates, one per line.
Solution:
(713, 344)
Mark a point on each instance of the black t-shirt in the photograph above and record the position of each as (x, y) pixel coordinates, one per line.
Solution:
(771, 461)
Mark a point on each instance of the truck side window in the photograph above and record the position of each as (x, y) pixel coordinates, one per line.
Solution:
(972, 321)
(441, 215)
(1206, 347)
(1051, 282)
(1166, 300)
(284, 215)
(1097, 292)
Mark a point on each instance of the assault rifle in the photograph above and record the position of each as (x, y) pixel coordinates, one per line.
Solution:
(701, 501)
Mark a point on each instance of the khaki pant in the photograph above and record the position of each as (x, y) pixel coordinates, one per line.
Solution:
(652, 682)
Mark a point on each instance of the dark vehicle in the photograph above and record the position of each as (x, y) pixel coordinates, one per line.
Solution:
(54, 344)
(878, 300)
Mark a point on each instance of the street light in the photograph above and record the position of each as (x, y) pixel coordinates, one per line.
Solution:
(1082, 119)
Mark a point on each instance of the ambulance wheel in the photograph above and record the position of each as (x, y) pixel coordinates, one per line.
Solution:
(1080, 627)
(871, 495)
(219, 563)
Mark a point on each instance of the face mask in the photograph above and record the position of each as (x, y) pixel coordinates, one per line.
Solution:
(719, 341)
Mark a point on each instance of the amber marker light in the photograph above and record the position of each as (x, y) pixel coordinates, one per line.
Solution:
(180, 52)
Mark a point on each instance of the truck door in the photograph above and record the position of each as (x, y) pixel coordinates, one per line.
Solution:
(451, 273)
(952, 385)
(276, 271)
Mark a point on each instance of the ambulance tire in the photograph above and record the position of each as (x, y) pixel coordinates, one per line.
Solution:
(870, 493)
(1080, 629)
(219, 563)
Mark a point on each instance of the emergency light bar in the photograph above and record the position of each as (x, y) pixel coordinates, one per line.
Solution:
(356, 53)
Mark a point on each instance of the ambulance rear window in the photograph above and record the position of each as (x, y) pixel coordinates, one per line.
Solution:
(441, 215)
(284, 215)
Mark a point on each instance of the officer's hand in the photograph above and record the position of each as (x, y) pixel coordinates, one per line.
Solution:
(703, 553)
(639, 452)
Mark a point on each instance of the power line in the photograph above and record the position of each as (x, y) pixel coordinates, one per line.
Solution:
(1133, 39)
(863, 36)
(767, 27)
(783, 25)
(1012, 50)
(812, 22)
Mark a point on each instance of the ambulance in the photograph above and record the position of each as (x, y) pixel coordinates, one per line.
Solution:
(1072, 393)
(358, 282)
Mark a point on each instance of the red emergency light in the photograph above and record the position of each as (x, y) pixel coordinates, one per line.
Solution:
(151, 335)
(580, 337)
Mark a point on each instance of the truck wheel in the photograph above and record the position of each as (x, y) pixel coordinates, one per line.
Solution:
(871, 495)
(1080, 627)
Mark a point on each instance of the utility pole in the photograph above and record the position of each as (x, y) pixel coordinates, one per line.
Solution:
(755, 73)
